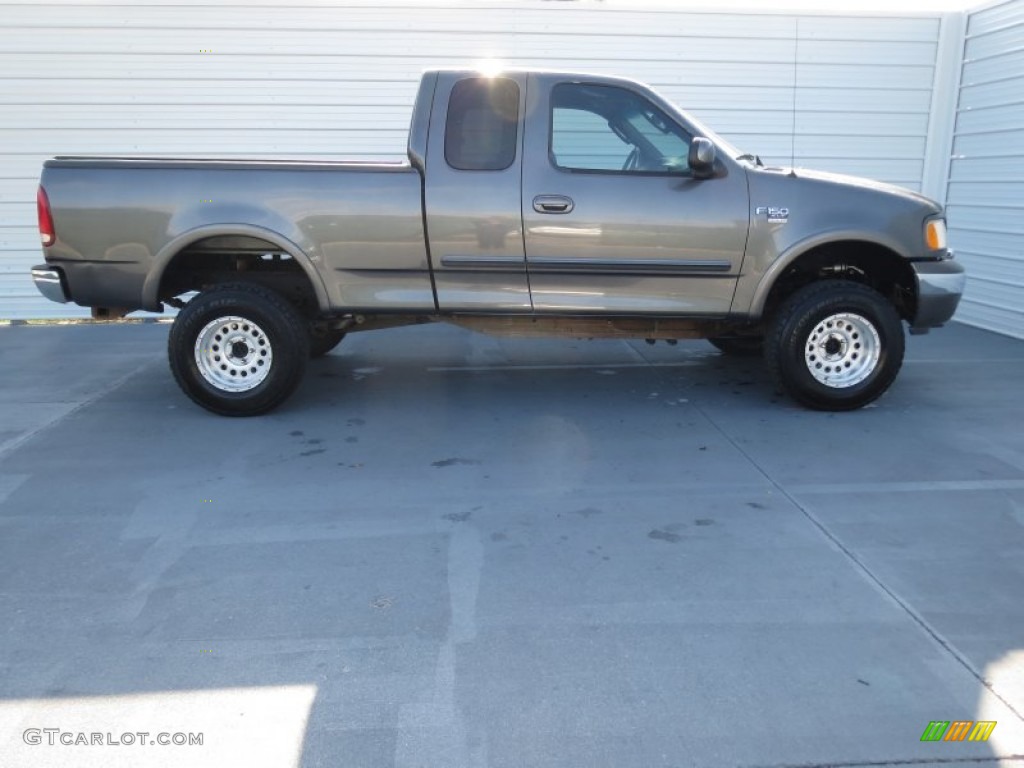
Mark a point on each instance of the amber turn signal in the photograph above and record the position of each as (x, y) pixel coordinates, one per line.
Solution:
(935, 234)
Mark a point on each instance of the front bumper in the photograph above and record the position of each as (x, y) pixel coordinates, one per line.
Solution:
(50, 282)
(940, 284)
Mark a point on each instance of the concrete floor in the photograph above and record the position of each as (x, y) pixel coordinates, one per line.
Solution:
(449, 550)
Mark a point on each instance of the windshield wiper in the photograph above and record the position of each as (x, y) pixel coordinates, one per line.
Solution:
(753, 158)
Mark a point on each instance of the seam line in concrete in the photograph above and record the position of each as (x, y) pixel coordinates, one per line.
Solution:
(527, 367)
(22, 439)
(940, 361)
(864, 569)
(858, 564)
(909, 487)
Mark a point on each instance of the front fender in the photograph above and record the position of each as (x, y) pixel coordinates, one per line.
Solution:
(762, 287)
(821, 209)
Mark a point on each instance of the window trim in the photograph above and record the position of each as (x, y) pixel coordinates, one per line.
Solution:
(685, 174)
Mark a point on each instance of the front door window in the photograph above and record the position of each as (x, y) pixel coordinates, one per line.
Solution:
(599, 128)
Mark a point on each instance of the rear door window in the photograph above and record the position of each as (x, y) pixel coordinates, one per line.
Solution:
(482, 125)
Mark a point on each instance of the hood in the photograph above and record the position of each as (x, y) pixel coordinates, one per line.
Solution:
(857, 182)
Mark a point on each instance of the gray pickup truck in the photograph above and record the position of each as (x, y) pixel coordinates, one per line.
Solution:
(532, 203)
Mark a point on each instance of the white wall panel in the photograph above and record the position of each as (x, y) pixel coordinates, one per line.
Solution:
(996, 17)
(986, 176)
(991, 69)
(335, 78)
(988, 144)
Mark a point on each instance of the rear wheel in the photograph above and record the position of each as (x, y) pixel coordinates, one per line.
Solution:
(739, 346)
(835, 345)
(238, 349)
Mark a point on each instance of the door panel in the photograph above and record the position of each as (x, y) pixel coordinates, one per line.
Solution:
(632, 231)
(473, 195)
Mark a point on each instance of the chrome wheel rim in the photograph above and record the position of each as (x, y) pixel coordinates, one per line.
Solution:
(233, 354)
(842, 350)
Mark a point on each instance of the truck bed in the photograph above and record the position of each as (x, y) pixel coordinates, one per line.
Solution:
(355, 227)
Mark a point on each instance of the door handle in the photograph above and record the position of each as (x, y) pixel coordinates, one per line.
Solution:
(552, 204)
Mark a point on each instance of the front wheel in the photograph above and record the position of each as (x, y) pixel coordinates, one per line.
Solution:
(835, 345)
(238, 349)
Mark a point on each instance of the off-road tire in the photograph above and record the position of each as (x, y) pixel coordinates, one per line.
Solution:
(237, 334)
(835, 345)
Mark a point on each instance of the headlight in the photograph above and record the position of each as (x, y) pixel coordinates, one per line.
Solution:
(935, 234)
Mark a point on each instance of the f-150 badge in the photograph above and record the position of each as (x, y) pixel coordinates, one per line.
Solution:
(775, 215)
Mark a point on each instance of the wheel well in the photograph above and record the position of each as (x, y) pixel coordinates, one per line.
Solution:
(870, 264)
(230, 258)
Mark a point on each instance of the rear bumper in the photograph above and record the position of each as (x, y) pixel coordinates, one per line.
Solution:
(940, 284)
(50, 282)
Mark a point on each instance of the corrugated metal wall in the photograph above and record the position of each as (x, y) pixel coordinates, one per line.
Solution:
(986, 181)
(337, 78)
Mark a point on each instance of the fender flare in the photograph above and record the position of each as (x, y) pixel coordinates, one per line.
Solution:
(798, 249)
(151, 286)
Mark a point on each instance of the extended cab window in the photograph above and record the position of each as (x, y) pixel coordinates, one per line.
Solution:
(482, 125)
(605, 128)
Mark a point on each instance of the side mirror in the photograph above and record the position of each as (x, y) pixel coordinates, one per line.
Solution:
(702, 157)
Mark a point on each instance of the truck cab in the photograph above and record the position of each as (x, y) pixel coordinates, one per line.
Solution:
(554, 193)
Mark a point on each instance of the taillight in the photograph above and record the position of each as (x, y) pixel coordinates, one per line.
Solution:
(46, 232)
